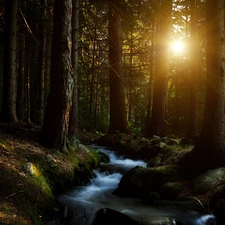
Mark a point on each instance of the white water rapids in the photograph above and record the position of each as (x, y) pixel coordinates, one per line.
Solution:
(86, 200)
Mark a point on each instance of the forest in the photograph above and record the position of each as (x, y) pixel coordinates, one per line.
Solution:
(159, 67)
(137, 67)
(141, 68)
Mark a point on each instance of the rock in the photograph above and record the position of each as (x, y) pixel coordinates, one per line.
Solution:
(29, 168)
(104, 158)
(155, 140)
(162, 145)
(206, 181)
(112, 217)
(160, 220)
(151, 198)
(164, 139)
(140, 181)
(173, 141)
(170, 190)
(169, 154)
(147, 153)
(154, 162)
(49, 158)
(143, 141)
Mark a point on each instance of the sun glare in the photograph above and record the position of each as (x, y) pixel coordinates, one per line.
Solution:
(177, 47)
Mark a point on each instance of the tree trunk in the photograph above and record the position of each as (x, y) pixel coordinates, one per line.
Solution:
(9, 69)
(74, 111)
(151, 76)
(210, 150)
(193, 77)
(21, 106)
(161, 71)
(56, 120)
(41, 73)
(118, 120)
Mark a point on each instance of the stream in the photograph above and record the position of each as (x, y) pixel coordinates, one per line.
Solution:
(86, 200)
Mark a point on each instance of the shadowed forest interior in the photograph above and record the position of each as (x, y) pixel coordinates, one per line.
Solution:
(137, 76)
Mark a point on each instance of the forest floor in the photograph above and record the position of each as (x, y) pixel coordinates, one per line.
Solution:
(27, 198)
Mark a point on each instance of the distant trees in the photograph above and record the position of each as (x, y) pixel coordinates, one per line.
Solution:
(123, 72)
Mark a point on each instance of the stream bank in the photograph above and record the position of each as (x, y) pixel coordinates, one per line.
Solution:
(27, 199)
(31, 175)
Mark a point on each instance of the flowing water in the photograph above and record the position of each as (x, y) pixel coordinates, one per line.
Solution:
(86, 200)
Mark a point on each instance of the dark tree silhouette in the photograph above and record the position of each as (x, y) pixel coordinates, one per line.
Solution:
(156, 126)
(209, 152)
(118, 119)
(9, 67)
(56, 120)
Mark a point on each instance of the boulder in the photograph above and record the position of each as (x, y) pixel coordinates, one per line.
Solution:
(112, 217)
(170, 190)
(155, 140)
(206, 181)
(147, 152)
(151, 198)
(154, 161)
(140, 181)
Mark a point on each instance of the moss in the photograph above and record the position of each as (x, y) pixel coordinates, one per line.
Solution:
(143, 142)
(35, 217)
(172, 147)
(41, 181)
(6, 146)
(170, 172)
(29, 198)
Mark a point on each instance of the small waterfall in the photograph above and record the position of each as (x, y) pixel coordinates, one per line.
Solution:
(85, 201)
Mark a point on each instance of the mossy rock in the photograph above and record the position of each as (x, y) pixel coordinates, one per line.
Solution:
(143, 142)
(169, 148)
(170, 190)
(151, 198)
(139, 181)
(208, 180)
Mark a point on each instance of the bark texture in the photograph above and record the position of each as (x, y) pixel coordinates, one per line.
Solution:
(74, 111)
(56, 121)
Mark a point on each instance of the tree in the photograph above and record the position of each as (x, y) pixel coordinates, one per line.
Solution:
(9, 67)
(118, 120)
(192, 117)
(74, 110)
(161, 70)
(209, 152)
(41, 72)
(56, 120)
